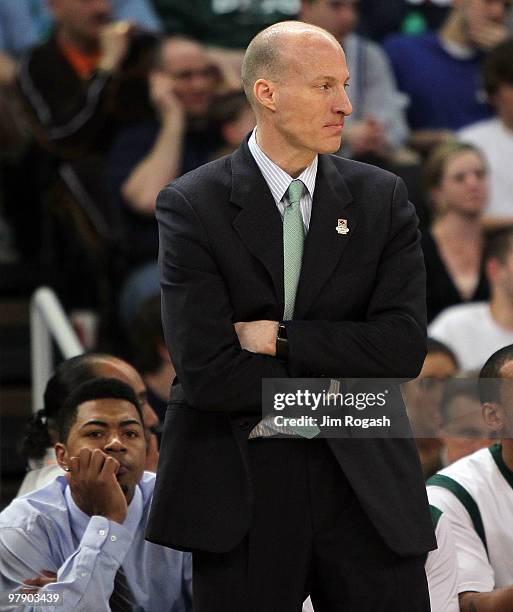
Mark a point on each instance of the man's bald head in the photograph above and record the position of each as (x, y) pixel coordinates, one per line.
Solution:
(265, 56)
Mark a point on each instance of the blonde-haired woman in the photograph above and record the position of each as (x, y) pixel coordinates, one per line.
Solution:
(456, 180)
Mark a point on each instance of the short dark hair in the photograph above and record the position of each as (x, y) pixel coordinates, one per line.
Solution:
(498, 244)
(435, 347)
(96, 389)
(66, 377)
(498, 67)
(491, 372)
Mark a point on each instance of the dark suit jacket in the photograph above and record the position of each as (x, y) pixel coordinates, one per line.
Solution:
(360, 312)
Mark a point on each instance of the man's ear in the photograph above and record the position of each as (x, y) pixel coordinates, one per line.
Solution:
(264, 93)
(493, 416)
(61, 454)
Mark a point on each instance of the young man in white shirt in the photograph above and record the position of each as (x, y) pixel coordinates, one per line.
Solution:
(476, 495)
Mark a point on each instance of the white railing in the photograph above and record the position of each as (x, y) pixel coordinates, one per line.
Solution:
(48, 320)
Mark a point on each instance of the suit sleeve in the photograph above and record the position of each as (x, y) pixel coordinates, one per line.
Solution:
(197, 315)
(390, 339)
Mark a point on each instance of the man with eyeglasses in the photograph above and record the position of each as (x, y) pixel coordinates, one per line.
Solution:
(149, 154)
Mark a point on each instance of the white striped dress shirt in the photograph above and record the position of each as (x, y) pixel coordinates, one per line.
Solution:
(278, 182)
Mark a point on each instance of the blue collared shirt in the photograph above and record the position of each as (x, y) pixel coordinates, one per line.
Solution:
(45, 530)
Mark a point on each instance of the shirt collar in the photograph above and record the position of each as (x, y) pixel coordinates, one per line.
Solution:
(79, 519)
(277, 179)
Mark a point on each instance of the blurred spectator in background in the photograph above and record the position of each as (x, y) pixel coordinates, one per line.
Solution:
(225, 27)
(82, 535)
(25, 23)
(147, 155)
(440, 72)
(79, 88)
(41, 431)
(67, 81)
(423, 397)
(476, 495)
(474, 331)
(377, 126)
(463, 430)
(406, 16)
(150, 354)
(226, 24)
(494, 137)
(232, 114)
(456, 181)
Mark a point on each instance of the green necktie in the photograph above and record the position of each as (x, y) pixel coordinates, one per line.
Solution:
(293, 241)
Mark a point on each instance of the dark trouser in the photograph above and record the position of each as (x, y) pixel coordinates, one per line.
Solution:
(308, 535)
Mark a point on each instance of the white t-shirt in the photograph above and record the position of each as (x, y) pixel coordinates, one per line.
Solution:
(476, 495)
(496, 143)
(471, 332)
(441, 570)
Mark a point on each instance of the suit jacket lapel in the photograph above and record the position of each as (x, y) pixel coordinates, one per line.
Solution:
(324, 245)
(259, 222)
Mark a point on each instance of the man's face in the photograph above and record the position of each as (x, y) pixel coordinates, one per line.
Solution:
(113, 426)
(423, 395)
(82, 19)
(338, 17)
(309, 99)
(192, 76)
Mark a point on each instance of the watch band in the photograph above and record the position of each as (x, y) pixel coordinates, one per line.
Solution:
(282, 345)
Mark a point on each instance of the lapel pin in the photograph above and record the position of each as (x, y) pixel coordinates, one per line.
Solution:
(342, 227)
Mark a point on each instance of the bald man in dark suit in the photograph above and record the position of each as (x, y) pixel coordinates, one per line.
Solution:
(271, 519)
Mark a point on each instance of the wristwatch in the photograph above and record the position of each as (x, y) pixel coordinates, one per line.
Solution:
(282, 345)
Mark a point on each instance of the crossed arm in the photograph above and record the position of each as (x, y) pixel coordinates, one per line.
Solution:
(29, 551)
(221, 361)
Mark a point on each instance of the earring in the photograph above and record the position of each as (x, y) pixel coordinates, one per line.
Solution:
(67, 469)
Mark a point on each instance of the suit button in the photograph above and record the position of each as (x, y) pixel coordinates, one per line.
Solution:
(244, 425)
